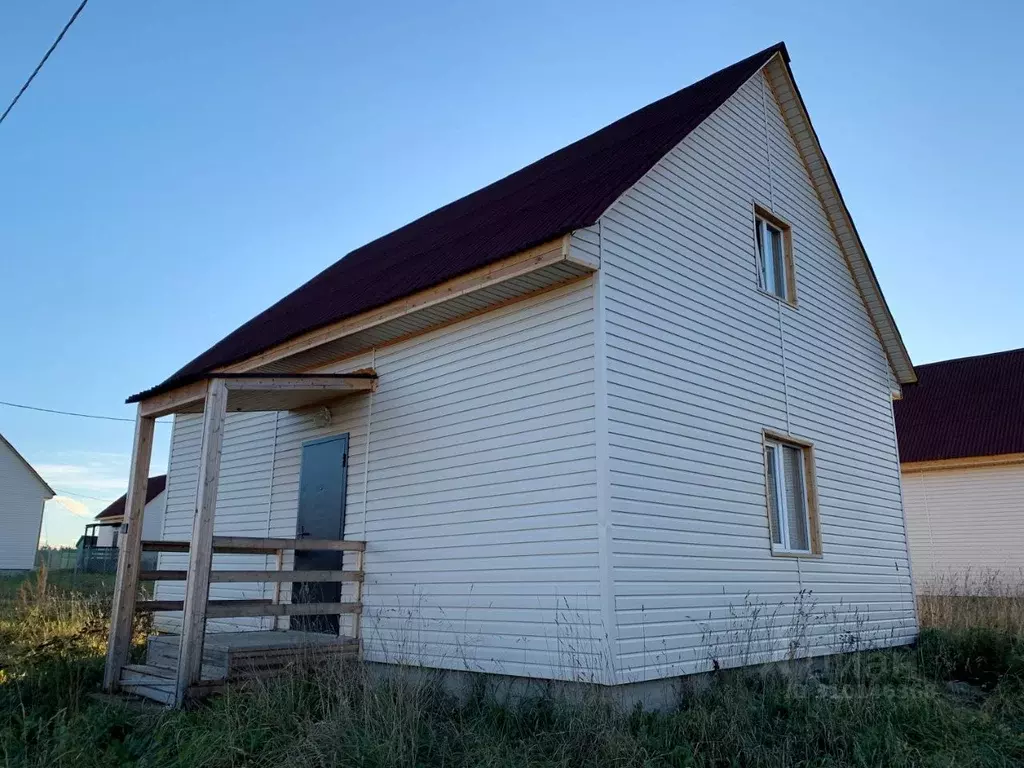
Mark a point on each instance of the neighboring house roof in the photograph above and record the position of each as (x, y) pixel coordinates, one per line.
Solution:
(154, 488)
(567, 190)
(972, 406)
(46, 487)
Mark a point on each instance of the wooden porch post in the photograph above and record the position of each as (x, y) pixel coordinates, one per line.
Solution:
(130, 544)
(200, 560)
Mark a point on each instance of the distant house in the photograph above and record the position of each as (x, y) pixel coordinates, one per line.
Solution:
(22, 496)
(97, 550)
(602, 419)
(961, 437)
(108, 522)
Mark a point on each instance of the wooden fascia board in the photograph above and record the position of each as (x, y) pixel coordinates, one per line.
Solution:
(965, 462)
(799, 122)
(272, 383)
(530, 260)
(191, 394)
(170, 402)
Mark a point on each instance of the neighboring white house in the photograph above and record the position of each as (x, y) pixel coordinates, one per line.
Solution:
(108, 522)
(633, 413)
(961, 436)
(22, 496)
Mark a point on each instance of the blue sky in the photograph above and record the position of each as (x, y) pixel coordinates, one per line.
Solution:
(178, 166)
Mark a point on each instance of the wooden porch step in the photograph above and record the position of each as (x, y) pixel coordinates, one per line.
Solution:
(148, 682)
(149, 669)
(162, 652)
(159, 695)
(232, 658)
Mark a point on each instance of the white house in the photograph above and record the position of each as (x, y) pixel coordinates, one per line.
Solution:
(102, 536)
(620, 416)
(22, 496)
(961, 437)
(108, 522)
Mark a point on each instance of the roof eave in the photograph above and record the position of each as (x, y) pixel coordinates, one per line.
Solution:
(512, 278)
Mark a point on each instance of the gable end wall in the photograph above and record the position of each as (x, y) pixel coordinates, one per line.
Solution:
(698, 363)
(21, 512)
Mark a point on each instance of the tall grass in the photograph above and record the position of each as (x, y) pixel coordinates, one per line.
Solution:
(972, 599)
(955, 699)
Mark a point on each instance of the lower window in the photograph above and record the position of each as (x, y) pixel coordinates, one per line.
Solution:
(792, 516)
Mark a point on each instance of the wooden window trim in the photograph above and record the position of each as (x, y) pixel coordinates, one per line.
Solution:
(760, 212)
(810, 489)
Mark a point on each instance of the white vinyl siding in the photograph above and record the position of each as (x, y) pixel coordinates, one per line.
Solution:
(21, 512)
(699, 362)
(243, 506)
(966, 524)
(107, 535)
(153, 516)
(479, 508)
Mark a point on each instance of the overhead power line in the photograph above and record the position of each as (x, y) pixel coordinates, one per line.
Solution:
(80, 495)
(65, 413)
(39, 66)
(71, 413)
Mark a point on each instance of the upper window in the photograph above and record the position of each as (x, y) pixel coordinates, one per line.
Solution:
(792, 514)
(774, 255)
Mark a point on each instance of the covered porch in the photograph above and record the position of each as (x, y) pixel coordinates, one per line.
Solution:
(196, 661)
(261, 377)
(97, 549)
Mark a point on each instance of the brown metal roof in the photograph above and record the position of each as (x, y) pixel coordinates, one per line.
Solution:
(972, 406)
(154, 488)
(567, 190)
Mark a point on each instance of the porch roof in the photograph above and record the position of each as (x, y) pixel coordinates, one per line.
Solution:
(256, 392)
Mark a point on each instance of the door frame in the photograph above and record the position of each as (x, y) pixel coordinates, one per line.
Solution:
(344, 493)
(344, 476)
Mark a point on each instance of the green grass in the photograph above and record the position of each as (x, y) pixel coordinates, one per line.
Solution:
(957, 699)
(98, 585)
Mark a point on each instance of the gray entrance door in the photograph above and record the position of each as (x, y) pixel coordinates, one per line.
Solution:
(322, 485)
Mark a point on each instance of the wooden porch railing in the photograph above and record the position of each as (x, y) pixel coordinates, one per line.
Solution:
(236, 545)
(192, 635)
(211, 396)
